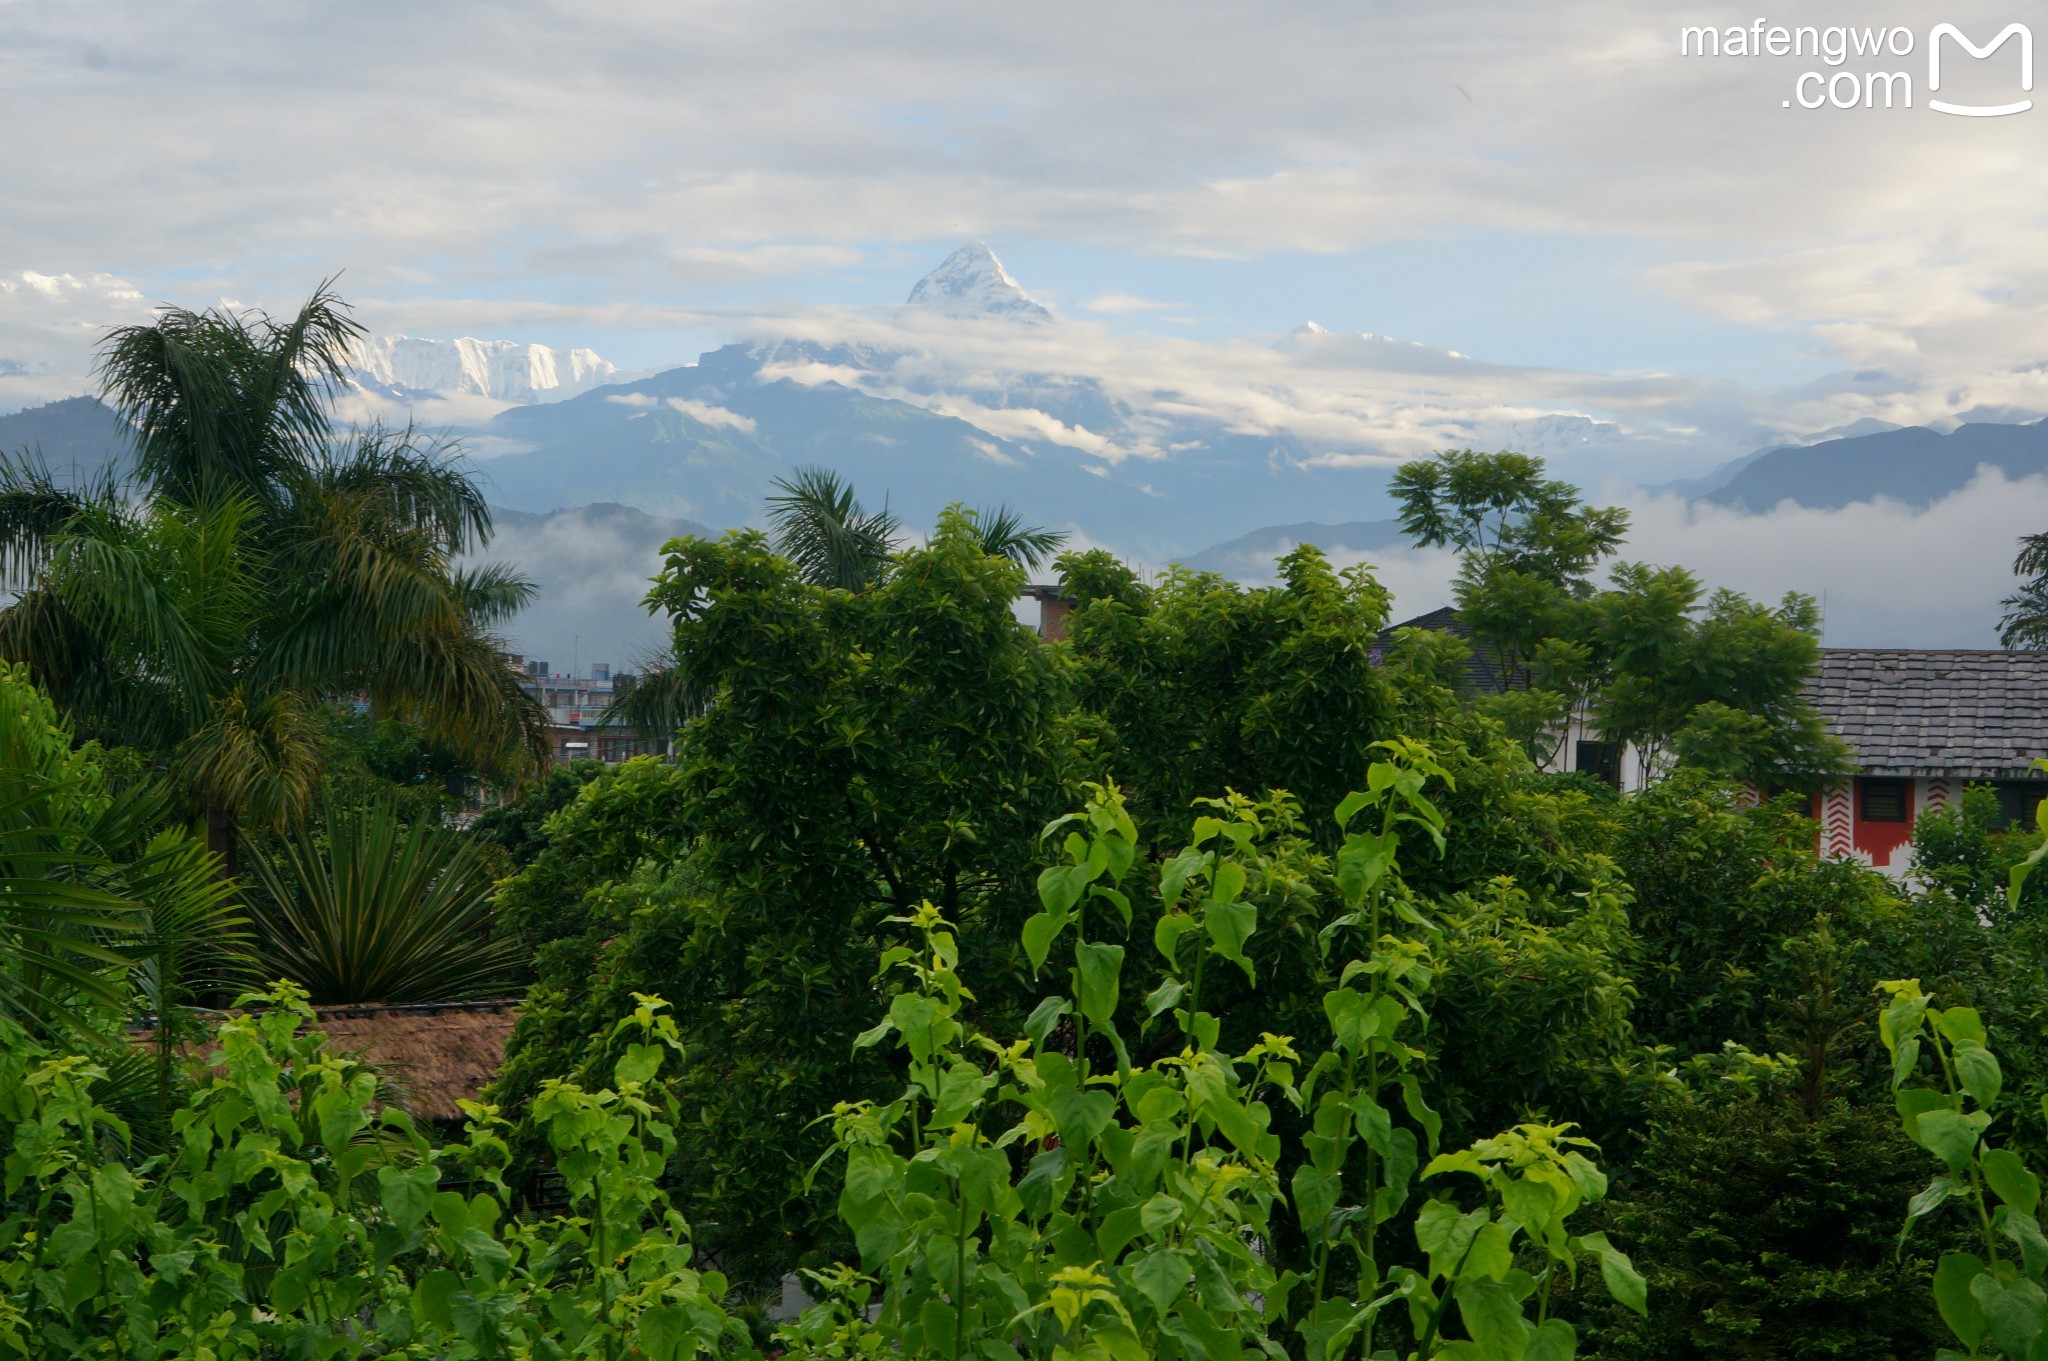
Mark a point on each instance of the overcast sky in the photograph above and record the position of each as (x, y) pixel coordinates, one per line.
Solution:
(1532, 184)
(1547, 187)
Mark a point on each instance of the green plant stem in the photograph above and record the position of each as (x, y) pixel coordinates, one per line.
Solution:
(960, 1280)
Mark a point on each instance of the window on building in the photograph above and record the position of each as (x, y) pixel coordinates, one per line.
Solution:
(1883, 800)
(2018, 800)
(1601, 760)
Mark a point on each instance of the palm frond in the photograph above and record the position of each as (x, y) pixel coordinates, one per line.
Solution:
(256, 758)
(662, 699)
(1004, 534)
(493, 592)
(35, 508)
(819, 525)
(224, 402)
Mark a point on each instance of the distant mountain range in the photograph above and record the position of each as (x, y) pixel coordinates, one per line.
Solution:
(503, 369)
(1912, 465)
(979, 393)
(1252, 555)
(77, 436)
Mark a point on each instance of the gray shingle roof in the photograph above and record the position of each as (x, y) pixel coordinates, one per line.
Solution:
(1978, 714)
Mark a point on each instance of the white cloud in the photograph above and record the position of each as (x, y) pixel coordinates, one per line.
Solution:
(49, 326)
(1122, 304)
(1888, 575)
(712, 415)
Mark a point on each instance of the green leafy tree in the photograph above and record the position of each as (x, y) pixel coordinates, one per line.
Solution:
(1527, 545)
(2025, 622)
(1205, 686)
(1716, 686)
(861, 752)
(1765, 1231)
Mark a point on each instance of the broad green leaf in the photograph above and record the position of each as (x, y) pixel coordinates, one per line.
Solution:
(1173, 875)
(1162, 1275)
(1554, 1341)
(407, 1193)
(1116, 1231)
(1168, 930)
(2014, 1311)
(432, 1298)
(1230, 925)
(1618, 1273)
(1905, 1059)
(1930, 1199)
(1160, 1213)
(1492, 1253)
(2009, 1177)
(1040, 932)
(639, 1063)
(1227, 882)
(1315, 1195)
(1352, 1019)
(1529, 1203)
(1419, 1110)
(1099, 967)
(1080, 1115)
(1493, 1318)
(1166, 995)
(2025, 1231)
(1977, 1067)
(1914, 1102)
(1044, 1017)
(1951, 1136)
(1961, 1025)
(1443, 1233)
(1959, 1308)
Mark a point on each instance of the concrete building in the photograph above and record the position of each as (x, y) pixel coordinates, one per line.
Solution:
(576, 707)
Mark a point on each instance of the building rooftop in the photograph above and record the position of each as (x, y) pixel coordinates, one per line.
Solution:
(1978, 714)
(1484, 672)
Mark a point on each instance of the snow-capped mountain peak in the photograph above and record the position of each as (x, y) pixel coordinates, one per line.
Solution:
(972, 282)
(503, 369)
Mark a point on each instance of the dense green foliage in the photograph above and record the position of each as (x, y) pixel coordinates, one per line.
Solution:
(1054, 1197)
(863, 752)
(1406, 1081)
(288, 1217)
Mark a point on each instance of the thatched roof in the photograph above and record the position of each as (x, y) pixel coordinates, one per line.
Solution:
(429, 1056)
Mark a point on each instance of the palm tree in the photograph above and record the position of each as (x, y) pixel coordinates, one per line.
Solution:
(258, 566)
(819, 525)
(1005, 535)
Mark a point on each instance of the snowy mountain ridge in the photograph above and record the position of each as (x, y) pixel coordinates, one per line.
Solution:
(507, 370)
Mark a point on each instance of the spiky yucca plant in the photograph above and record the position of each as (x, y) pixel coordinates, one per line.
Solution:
(374, 910)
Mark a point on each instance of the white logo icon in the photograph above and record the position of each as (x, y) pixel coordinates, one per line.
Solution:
(1980, 110)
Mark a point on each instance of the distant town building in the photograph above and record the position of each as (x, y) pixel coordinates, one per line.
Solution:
(576, 707)
(1053, 609)
(1922, 725)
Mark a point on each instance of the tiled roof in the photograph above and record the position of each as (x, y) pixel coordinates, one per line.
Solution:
(1977, 714)
(1483, 670)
